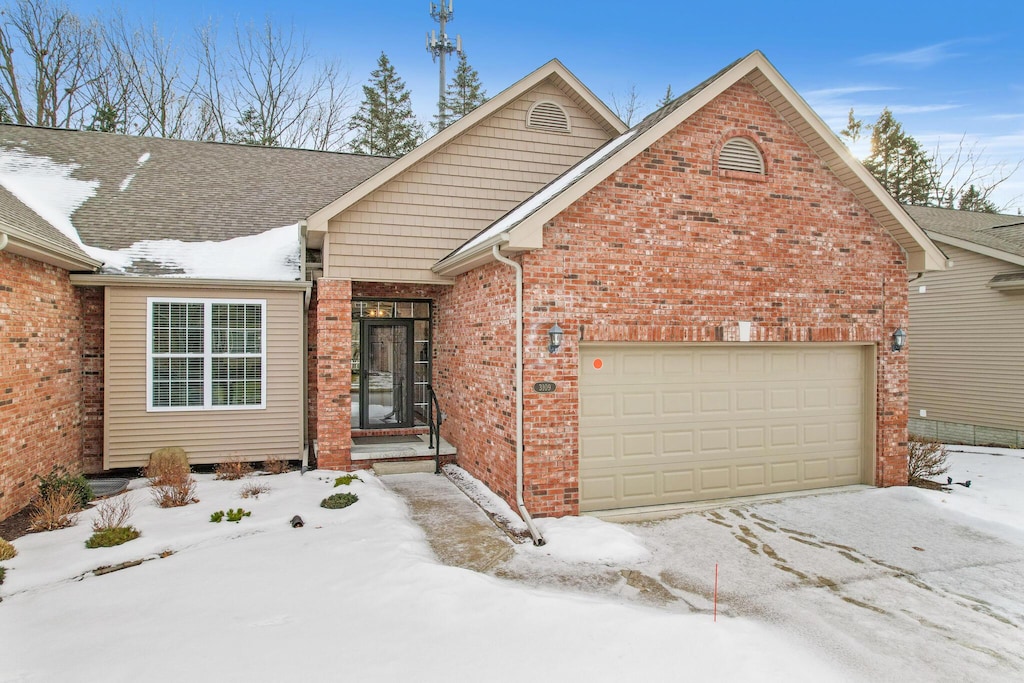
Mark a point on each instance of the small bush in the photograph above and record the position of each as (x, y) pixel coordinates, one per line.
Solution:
(926, 459)
(7, 551)
(167, 463)
(235, 468)
(275, 466)
(174, 489)
(236, 515)
(217, 517)
(3, 573)
(253, 490)
(108, 538)
(338, 501)
(59, 480)
(345, 480)
(58, 510)
(113, 513)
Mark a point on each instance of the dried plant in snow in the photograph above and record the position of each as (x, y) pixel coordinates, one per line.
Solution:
(56, 511)
(174, 489)
(253, 490)
(113, 513)
(276, 466)
(236, 468)
(926, 459)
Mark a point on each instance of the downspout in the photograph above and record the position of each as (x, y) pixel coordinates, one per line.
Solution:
(538, 540)
(307, 442)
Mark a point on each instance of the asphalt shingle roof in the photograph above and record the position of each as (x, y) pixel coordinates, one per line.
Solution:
(154, 188)
(994, 230)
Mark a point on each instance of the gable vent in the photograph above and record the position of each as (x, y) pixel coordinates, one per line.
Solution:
(740, 154)
(548, 116)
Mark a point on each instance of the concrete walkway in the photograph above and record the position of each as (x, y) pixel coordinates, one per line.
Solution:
(459, 532)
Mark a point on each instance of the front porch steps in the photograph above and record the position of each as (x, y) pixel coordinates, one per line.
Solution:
(403, 467)
(399, 451)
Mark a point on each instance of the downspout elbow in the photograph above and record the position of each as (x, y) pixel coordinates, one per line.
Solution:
(3, 240)
(538, 540)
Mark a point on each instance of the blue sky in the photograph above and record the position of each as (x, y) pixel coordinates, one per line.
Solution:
(945, 69)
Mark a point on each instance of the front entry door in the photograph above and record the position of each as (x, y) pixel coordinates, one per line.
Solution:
(386, 371)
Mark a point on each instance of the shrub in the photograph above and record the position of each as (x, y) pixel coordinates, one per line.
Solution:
(236, 468)
(3, 573)
(167, 462)
(253, 490)
(338, 501)
(113, 513)
(276, 466)
(110, 537)
(345, 480)
(59, 480)
(57, 510)
(174, 489)
(236, 515)
(217, 517)
(925, 459)
(7, 551)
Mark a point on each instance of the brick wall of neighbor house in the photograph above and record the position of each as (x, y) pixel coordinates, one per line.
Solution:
(669, 250)
(92, 377)
(40, 367)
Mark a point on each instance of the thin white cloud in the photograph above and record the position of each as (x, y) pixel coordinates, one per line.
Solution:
(928, 55)
(904, 109)
(829, 93)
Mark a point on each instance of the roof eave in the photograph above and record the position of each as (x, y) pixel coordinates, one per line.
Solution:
(318, 221)
(474, 257)
(991, 252)
(24, 245)
(90, 280)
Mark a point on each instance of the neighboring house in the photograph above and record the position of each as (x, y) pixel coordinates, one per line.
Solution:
(727, 278)
(967, 331)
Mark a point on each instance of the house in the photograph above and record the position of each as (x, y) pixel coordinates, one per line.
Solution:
(702, 306)
(966, 355)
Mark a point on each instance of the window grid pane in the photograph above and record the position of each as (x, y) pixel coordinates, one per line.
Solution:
(237, 370)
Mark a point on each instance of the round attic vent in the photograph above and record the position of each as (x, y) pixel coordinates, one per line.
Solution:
(740, 154)
(549, 116)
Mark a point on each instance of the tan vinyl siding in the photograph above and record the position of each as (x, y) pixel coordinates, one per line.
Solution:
(966, 344)
(131, 433)
(399, 231)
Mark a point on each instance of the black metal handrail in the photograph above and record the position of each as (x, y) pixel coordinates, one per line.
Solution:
(434, 409)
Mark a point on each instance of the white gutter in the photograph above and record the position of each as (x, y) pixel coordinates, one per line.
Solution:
(520, 503)
(3, 241)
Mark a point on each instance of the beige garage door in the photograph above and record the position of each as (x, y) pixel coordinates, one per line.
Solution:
(664, 423)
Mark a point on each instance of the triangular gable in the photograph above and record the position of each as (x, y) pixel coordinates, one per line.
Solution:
(522, 228)
(553, 70)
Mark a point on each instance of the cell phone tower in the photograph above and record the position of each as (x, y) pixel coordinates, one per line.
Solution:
(439, 45)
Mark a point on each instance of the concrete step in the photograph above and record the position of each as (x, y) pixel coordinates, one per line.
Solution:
(405, 467)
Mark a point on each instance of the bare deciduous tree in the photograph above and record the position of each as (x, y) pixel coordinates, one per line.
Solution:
(966, 179)
(45, 65)
(628, 105)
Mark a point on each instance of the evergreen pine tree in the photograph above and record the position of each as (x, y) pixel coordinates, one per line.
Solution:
(899, 162)
(464, 93)
(105, 120)
(667, 98)
(385, 124)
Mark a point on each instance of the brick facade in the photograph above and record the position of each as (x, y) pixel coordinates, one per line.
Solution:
(41, 367)
(670, 249)
(92, 299)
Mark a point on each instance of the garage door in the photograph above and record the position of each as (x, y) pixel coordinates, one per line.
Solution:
(675, 423)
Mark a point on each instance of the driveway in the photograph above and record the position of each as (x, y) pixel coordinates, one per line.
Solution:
(885, 583)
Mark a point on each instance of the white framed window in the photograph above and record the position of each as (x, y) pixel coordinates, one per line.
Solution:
(205, 354)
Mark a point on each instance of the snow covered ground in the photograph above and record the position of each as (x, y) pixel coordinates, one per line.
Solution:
(826, 587)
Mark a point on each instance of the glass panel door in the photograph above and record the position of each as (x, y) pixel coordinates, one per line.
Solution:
(386, 383)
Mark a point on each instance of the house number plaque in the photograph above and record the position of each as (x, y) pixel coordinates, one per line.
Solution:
(544, 387)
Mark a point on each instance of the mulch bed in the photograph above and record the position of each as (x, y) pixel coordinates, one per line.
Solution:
(16, 525)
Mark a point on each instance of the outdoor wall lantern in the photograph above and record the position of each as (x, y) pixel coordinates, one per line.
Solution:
(899, 339)
(555, 338)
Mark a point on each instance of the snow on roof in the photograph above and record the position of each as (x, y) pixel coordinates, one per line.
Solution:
(49, 188)
(547, 193)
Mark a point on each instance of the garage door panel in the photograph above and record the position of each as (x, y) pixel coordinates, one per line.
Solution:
(696, 423)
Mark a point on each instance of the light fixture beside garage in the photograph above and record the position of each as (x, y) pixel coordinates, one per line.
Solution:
(899, 339)
(555, 338)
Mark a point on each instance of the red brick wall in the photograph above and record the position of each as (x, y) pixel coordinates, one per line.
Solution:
(92, 377)
(334, 373)
(40, 373)
(669, 249)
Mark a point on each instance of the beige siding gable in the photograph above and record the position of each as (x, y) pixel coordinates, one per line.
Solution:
(965, 343)
(400, 230)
